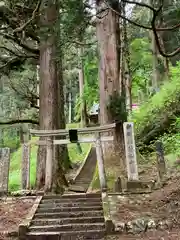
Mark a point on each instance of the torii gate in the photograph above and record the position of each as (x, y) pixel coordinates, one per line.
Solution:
(72, 137)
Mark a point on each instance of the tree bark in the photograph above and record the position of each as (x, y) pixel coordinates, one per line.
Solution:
(155, 72)
(61, 158)
(162, 40)
(121, 53)
(127, 69)
(110, 81)
(51, 100)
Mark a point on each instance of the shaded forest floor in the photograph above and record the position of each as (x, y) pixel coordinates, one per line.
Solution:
(12, 212)
(151, 235)
(162, 206)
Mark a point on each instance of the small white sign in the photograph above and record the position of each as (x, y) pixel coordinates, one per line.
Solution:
(130, 148)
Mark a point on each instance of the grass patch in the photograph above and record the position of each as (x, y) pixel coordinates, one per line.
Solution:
(16, 158)
(110, 177)
(163, 104)
(171, 159)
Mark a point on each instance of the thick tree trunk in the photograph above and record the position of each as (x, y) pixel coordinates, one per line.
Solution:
(109, 60)
(61, 158)
(121, 52)
(51, 91)
(37, 76)
(162, 40)
(127, 73)
(155, 72)
(109, 70)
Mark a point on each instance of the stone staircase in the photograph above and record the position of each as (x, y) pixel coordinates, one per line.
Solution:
(85, 176)
(68, 217)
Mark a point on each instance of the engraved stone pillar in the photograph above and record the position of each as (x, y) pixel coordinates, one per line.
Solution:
(25, 166)
(4, 169)
(161, 165)
(130, 149)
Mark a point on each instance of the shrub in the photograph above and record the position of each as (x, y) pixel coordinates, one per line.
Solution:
(163, 106)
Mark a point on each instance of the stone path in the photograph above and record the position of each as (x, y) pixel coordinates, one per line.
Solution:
(72, 216)
(85, 176)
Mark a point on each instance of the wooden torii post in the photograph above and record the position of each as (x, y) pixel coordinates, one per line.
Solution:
(50, 142)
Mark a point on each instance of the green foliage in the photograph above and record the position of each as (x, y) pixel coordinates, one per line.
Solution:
(78, 108)
(15, 168)
(141, 64)
(117, 107)
(73, 19)
(141, 56)
(9, 138)
(11, 142)
(91, 88)
(17, 91)
(171, 143)
(171, 140)
(95, 184)
(163, 104)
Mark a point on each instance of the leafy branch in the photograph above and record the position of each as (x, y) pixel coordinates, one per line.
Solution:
(16, 121)
(15, 39)
(26, 93)
(14, 61)
(167, 55)
(152, 27)
(20, 29)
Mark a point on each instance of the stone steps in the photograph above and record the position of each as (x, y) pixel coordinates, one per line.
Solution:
(70, 204)
(72, 216)
(69, 200)
(68, 209)
(73, 196)
(83, 235)
(69, 214)
(67, 227)
(44, 221)
(85, 176)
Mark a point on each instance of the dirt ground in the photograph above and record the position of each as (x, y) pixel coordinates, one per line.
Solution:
(162, 205)
(158, 205)
(153, 235)
(12, 212)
